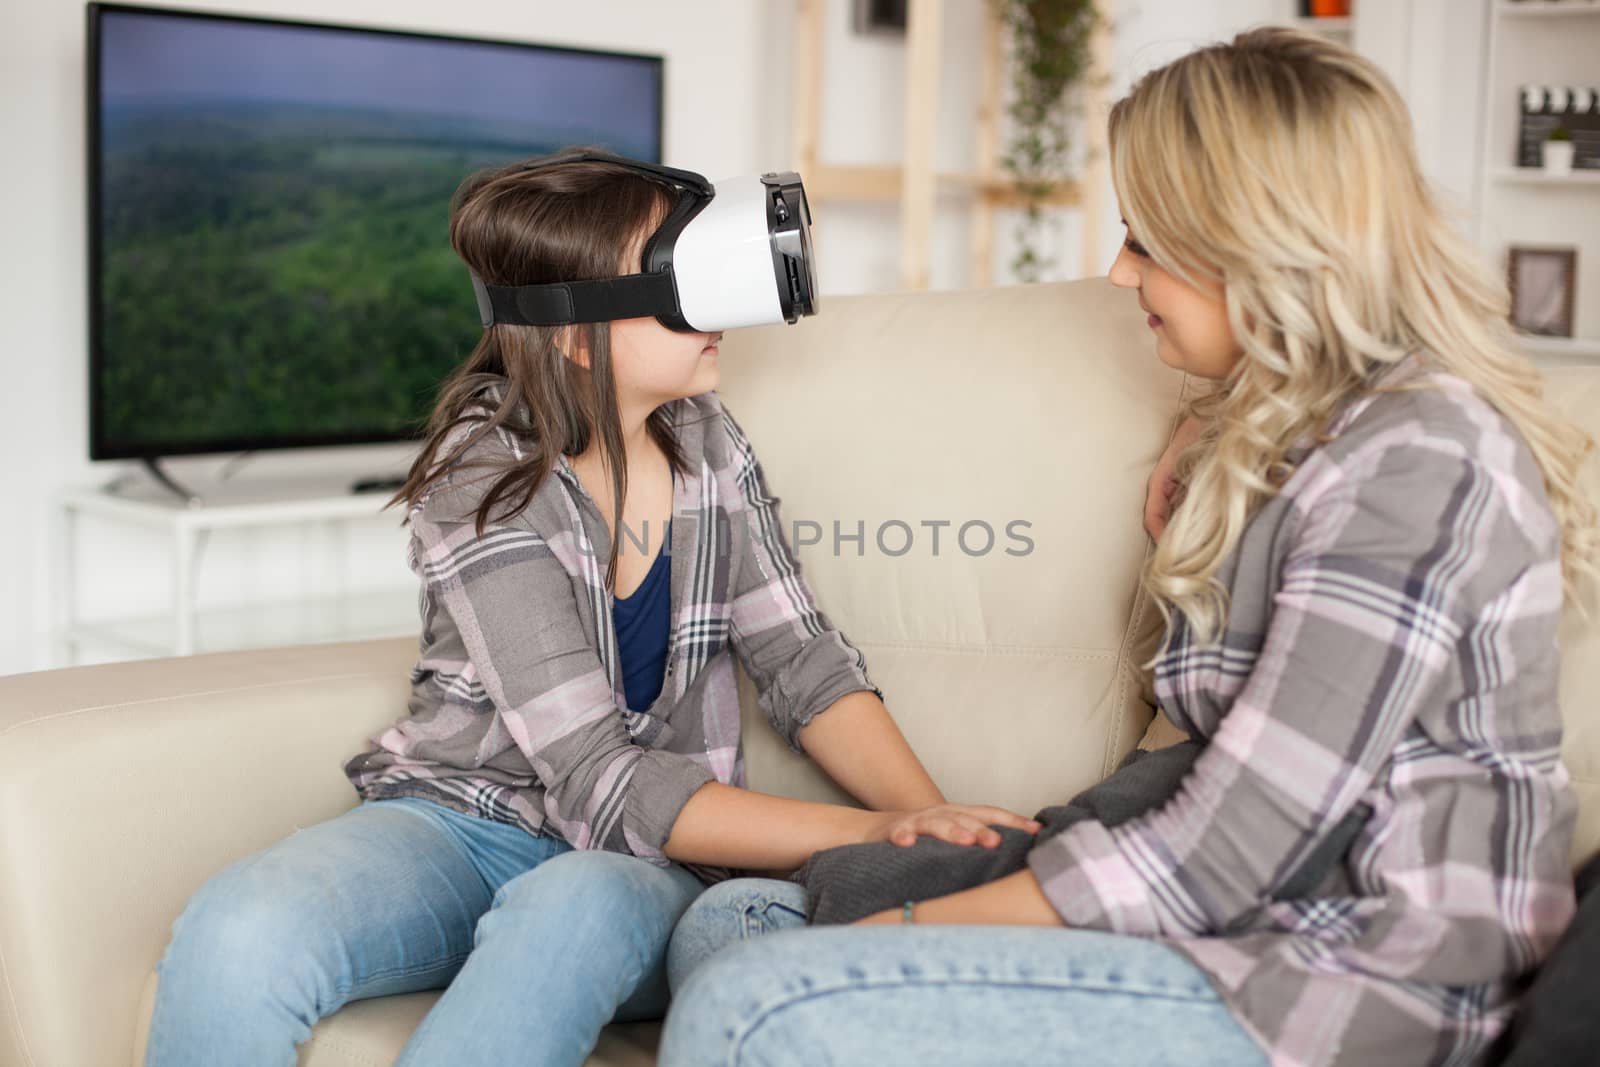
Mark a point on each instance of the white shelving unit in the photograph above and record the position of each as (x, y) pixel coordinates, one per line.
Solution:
(1533, 176)
(1544, 8)
(339, 613)
(1539, 42)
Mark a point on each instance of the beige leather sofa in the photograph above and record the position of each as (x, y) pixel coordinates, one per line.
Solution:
(122, 788)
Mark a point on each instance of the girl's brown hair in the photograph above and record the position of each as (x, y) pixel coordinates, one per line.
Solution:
(531, 223)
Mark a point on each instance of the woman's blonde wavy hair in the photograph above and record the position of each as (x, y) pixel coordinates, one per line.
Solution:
(1282, 166)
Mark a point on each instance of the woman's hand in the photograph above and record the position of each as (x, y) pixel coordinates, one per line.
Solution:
(1164, 492)
(883, 918)
(1015, 900)
(959, 824)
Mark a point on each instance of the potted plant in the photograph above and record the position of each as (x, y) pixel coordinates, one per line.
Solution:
(1050, 49)
(1558, 151)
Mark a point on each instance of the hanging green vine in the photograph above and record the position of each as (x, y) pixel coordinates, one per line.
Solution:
(1050, 53)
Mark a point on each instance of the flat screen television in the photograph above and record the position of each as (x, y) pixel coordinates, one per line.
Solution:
(269, 261)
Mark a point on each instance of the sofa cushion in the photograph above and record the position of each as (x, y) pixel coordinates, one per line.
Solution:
(371, 1033)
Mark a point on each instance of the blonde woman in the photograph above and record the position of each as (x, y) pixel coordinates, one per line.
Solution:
(1362, 579)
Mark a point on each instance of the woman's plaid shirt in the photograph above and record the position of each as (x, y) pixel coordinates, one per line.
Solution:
(517, 711)
(1391, 643)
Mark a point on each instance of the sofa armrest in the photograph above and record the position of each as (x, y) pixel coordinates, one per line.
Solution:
(124, 787)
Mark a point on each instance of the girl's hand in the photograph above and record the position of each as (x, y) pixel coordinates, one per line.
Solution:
(1164, 492)
(959, 824)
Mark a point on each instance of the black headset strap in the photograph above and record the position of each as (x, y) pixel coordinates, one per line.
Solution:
(632, 296)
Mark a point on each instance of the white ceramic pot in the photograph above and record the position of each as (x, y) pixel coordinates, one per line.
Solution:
(1558, 157)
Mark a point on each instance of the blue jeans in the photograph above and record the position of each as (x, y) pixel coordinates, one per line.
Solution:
(754, 990)
(539, 945)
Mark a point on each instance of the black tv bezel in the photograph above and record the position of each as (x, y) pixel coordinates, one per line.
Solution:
(99, 447)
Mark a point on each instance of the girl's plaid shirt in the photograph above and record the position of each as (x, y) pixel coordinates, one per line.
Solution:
(517, 711)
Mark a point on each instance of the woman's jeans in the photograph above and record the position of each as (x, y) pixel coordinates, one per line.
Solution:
(540, 945)
(776, 995)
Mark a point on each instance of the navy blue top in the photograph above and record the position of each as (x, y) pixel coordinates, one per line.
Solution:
(643, 620)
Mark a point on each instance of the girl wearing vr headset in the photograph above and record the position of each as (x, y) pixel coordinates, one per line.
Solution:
(1362, 586)
(596, 544)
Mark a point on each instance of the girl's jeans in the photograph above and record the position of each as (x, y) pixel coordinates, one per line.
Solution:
(950, 995)
(539, 945)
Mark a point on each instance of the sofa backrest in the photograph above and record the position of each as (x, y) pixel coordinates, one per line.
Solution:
(1576, 390)
(1034, 413)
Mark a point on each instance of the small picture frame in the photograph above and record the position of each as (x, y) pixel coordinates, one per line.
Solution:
(879, 16)
(1543, 283)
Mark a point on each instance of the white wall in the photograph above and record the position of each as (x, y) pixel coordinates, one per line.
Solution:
(1435, 51)
(729, 70)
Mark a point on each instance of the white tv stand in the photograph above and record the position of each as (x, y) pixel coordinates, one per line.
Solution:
(184, 629)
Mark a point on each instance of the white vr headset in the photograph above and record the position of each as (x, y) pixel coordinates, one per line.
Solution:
(734, 254)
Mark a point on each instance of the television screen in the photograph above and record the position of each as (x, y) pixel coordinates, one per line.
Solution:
(269, 261)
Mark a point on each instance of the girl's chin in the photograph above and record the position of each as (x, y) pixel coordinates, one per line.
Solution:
(708, 378)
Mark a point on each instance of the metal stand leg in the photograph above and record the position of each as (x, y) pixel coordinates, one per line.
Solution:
(189, 498)
(183, 591)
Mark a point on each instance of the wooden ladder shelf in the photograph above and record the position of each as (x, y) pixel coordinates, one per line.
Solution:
(915, 184)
